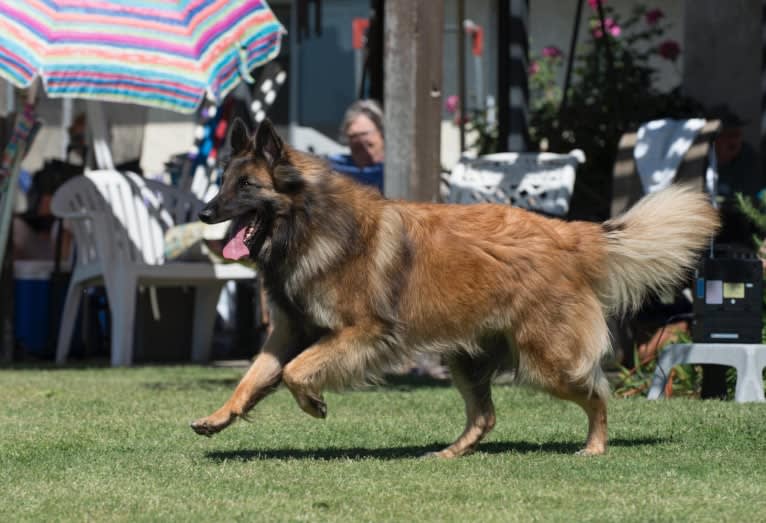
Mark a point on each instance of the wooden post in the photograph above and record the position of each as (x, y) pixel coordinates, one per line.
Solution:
(413, 79)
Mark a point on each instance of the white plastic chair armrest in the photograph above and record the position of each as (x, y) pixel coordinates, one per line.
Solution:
(99, 223)
(74, 215)
(579, 154)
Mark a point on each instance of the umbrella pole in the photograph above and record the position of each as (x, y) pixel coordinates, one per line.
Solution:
(66, 122)
(100, 134)
(10, 98)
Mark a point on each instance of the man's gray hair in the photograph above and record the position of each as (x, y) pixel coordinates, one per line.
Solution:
(369, 108)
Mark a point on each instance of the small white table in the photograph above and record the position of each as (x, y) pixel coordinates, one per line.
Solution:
(748, 359)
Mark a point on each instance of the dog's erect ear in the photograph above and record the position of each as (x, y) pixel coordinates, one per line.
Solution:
(287, 179)
(239, 137)
(268, 143)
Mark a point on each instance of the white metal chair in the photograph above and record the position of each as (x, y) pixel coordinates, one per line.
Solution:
(541, 182)
(118, 221)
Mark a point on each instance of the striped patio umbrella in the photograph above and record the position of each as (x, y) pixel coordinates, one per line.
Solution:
(162, 53)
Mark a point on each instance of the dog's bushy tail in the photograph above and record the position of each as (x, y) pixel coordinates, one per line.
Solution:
(652, 247)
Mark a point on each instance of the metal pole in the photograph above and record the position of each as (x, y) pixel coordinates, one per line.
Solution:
(66, 122)
(375, 38)
(10, 98)
(479, 72)
(503, 77)
(570, 58)
(461, 71)
(605, 36)
(518, 132)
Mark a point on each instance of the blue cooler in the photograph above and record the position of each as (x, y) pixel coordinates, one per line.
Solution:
(31, 304)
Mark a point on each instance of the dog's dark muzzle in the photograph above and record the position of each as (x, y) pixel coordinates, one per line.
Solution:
(208, 214)
(212, 213)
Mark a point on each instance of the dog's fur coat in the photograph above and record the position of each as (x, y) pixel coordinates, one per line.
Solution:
(359, 283)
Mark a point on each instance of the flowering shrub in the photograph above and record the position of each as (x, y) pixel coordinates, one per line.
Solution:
(477, 122)
(604, 102)
(653, 16)
(669, 50)
(612, 27)
(452, 104)
(552, 52)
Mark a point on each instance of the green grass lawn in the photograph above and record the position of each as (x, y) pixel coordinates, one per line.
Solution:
(114, 445)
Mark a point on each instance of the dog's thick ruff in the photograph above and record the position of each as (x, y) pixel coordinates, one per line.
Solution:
(359, 283)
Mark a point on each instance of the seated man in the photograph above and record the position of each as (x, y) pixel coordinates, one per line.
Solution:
(737, 173)
(362, 129)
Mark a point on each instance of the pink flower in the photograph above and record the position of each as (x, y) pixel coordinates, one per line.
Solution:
(551, 51)
(611, 27)
(669, 50)
(452, 104)
(653, 16)
(594, 3)
(533, 68)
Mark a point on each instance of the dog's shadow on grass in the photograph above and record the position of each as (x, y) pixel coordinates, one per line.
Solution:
(198, 384)
(395, 453)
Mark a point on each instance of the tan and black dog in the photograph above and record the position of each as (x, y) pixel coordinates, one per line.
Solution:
(359, 283)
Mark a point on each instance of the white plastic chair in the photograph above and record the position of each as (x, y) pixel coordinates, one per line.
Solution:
(748, 358)
(541, 182)
(118, 221)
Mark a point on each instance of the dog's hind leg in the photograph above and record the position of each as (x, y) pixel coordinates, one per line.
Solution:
(566, 361)
(595, 407)
(472, 375)
(590, 388)
(594, 403)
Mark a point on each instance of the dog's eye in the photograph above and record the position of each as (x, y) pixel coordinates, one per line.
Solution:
(245, 182)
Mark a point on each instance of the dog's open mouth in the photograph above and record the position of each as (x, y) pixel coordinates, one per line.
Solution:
(244, 230)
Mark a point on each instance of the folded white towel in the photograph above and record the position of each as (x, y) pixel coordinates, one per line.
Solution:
(660, 147)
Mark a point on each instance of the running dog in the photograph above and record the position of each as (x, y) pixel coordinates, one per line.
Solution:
(359, 283)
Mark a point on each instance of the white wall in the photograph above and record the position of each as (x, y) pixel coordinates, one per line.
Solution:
(166, 134)
(725, 55)
(482, 12)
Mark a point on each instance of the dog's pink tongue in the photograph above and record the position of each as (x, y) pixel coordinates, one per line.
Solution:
(235, 249)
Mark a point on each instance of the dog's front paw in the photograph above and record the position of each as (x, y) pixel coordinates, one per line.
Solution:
(447, 453)
(211, 424)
